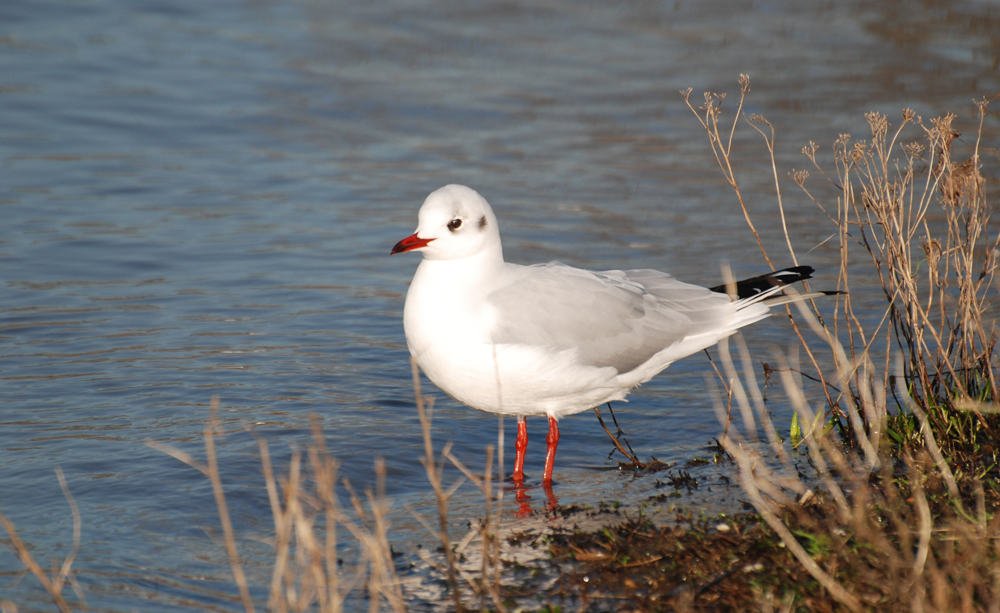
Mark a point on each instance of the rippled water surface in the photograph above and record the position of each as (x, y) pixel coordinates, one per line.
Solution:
(198, 199)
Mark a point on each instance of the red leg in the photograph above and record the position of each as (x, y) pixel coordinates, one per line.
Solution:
(520, 446)
(550, 454)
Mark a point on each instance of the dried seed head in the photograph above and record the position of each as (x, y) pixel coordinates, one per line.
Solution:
(913, 149)
(878, 123)
(942, 134)
(800, 176)
(961, 184)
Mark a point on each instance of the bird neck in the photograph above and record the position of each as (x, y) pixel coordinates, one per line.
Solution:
(476, 271)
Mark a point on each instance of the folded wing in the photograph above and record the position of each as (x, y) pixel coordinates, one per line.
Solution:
(613, 318)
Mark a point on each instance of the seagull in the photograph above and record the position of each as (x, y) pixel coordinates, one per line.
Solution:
(551, 339)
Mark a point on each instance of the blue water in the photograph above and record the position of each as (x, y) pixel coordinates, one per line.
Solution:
(198, 199)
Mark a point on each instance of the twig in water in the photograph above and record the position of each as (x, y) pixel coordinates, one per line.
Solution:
(631, 457)
(53, 585)
(620, 433)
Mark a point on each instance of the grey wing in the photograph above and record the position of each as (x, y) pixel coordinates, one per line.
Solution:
(612, 318)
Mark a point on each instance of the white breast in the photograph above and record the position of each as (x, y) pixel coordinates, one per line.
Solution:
(448, 324)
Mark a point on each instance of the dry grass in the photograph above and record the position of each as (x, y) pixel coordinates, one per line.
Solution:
(308, 517)
(486, 584)
(309, 521)
(884, 447)
(57, 579)
(898, 538)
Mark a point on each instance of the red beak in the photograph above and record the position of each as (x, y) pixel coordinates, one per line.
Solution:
(409, 244)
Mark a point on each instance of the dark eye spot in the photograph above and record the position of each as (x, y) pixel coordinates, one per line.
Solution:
(482, 222)
(454, 224)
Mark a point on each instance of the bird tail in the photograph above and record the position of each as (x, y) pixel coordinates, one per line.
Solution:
(767, 288)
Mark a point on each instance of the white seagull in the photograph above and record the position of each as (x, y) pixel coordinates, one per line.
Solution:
(551, 339)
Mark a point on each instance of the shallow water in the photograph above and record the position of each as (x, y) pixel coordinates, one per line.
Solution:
(198, 199)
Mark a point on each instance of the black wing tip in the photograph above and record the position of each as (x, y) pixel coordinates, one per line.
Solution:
(753, 286)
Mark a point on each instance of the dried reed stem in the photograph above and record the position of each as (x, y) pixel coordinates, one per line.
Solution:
(211, 428)
(54, 585)
(433, 470)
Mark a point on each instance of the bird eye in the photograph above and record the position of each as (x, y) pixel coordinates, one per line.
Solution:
(454, 224)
